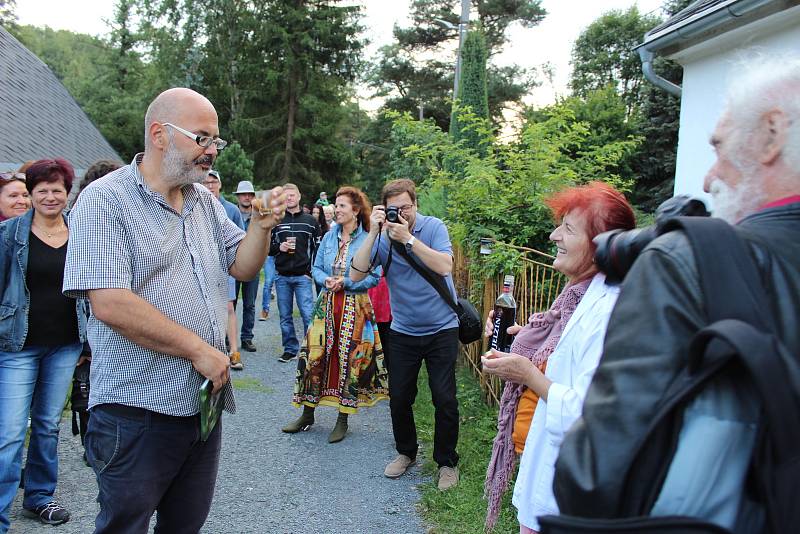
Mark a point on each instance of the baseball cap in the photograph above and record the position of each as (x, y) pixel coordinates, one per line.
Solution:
(216, 175)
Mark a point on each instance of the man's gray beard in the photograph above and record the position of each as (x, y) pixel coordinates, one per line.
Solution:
(176, 171)
(733, 204)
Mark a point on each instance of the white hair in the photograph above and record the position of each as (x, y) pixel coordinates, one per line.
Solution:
(762, 82)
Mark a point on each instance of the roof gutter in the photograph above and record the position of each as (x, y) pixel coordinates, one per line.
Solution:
(647, 56)
(688, 32)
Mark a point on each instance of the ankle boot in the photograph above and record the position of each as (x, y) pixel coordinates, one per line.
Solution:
(302, 422)
(338, 432)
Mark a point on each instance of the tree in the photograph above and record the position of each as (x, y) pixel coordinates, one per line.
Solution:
(108, 87)
(472, 89)
(234, 165)
(604, 55)
(406, 80)
(8, 16)
(278, 71)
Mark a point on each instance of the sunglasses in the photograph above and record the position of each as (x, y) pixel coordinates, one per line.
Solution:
(11, 176)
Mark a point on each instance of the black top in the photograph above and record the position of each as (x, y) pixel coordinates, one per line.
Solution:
(304, 228)
(52, 320)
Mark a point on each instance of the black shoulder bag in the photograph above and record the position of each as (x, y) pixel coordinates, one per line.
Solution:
(469, 321)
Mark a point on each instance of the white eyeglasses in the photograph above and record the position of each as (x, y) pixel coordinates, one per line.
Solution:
(204, 141)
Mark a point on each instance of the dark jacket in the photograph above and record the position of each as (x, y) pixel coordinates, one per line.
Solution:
(304, 228)
(15, 235)
(659, 310)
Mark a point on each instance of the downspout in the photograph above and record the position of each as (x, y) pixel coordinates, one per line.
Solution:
(650, 74)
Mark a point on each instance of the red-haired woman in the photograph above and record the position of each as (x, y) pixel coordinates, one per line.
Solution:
(554, 356)
(41, 337)
(341, 360)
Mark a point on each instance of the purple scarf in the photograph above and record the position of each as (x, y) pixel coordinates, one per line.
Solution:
(536, 341)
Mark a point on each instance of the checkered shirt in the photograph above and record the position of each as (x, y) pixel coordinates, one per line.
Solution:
(125, 235)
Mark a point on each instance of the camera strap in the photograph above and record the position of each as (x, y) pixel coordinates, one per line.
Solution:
(435, 280)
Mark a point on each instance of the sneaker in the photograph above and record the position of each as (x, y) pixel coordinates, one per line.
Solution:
(398, 466)
(448, 477)
(286, 357)
(236, 361)
(248, 345)
(51, 513)
(264, 315)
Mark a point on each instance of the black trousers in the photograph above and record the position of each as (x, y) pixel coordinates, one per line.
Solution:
(147, 462)
(439, 351)
(383, 331)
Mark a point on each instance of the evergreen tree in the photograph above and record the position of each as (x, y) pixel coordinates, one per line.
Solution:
(472, 90)
(407, 78)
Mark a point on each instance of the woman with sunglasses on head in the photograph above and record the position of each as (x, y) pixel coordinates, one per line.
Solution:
(14, 197)
(41, 337)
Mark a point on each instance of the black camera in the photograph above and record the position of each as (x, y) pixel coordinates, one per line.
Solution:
(618, 249)
(393, 214)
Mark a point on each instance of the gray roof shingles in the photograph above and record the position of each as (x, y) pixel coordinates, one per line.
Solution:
(38, 117)
(685, 13)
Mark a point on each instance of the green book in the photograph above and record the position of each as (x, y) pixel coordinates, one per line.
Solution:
(211, 406)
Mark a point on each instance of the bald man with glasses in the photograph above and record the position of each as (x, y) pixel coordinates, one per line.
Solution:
(152, 249)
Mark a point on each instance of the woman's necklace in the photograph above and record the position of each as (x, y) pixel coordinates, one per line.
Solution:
(50, 235)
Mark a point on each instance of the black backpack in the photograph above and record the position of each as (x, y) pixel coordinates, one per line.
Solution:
(79, 399)
(738, 341)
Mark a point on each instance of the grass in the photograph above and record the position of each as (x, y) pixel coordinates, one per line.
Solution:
(249, 383)
(462, 509)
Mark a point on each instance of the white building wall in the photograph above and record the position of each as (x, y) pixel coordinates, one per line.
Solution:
(706, 70)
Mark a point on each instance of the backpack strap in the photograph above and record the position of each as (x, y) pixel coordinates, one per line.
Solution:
(436, 281)
(729, 279)
(775, 373)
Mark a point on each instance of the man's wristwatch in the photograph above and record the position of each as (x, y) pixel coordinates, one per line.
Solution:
(410, 243)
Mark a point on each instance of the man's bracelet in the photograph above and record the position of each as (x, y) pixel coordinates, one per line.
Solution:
(359, 270)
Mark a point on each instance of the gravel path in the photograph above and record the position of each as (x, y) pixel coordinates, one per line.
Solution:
(270, 481)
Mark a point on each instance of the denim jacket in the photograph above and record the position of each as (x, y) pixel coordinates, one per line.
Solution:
(326, 254)
(15, 298)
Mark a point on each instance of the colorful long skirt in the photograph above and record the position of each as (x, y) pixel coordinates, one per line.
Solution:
(341, 360)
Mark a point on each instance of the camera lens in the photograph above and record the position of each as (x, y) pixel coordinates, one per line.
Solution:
(618, 249)
(392, 214)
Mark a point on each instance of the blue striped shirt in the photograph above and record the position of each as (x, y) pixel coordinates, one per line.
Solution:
(125, 235)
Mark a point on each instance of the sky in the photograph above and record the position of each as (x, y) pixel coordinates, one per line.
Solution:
(549, 42)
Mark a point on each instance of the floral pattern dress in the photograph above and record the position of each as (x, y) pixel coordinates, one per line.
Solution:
(341, 360)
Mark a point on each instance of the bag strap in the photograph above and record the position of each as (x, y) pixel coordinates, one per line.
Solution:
(775, 373)
(437, 282)
(729, 278)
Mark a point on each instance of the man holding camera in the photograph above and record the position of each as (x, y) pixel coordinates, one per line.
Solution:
(424, 327)
(755, 184)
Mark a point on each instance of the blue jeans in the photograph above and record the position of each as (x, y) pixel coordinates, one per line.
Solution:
(146, 462)
(269, 281)
(249, 292)
(288, 289)
(33, 381)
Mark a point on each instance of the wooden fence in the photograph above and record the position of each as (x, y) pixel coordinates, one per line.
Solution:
(536, 285)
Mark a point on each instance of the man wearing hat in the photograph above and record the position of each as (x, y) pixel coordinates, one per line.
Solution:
(213, 182)
(245, 195)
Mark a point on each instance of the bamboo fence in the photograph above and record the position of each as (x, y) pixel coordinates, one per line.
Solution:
(536, 285)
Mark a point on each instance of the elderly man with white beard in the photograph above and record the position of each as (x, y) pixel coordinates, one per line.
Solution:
(152, 249)
(755, 185)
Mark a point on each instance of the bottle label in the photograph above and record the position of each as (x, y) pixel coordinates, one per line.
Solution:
(498, 321)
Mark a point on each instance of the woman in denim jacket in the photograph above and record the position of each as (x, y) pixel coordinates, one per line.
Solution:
(41, 337)
(341, 360)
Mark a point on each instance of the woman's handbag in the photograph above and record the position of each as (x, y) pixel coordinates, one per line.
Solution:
(470, 328)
